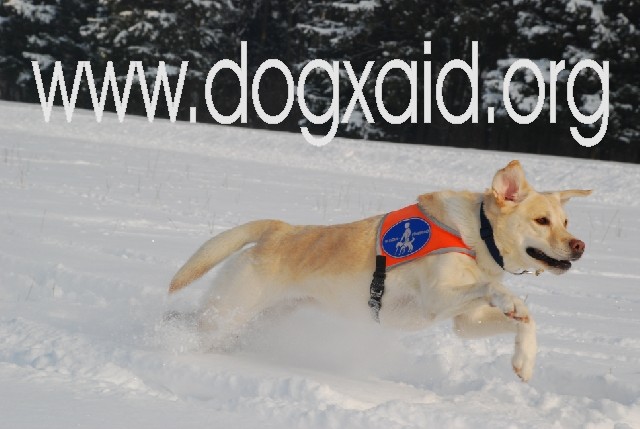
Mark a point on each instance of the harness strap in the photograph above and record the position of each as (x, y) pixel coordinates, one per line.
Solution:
(377, 287)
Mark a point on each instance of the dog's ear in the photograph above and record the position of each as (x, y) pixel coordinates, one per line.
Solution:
(509, 185)
(564, 196)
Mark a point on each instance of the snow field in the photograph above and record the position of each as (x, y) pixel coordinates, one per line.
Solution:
(96, 218)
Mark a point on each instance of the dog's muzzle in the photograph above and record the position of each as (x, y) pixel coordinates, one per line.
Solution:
(539, 255)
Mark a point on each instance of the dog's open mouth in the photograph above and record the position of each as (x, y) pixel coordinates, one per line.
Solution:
(548, 260)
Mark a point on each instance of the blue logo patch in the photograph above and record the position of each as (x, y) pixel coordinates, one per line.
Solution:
(406, 237)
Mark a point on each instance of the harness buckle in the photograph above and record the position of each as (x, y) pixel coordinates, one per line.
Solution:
(376, 290)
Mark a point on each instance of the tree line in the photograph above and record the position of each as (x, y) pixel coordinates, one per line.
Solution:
(204, 32)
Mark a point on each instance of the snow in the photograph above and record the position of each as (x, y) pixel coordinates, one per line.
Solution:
(40, 13)
(591, 102)
(44, 60)
(96, 218)
(360, 6)
(330, 28)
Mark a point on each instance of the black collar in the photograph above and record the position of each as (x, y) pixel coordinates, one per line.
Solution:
(486, 233)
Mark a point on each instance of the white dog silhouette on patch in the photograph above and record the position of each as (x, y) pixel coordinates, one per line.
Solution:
(406, 242)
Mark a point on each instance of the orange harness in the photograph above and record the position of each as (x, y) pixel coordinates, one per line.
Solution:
(410, 233)
(405, 235)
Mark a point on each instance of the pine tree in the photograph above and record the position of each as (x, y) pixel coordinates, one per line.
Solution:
(297, 31)
(337, 31)
(170, 31)
(617, 39)
(268, 28)
(547, 30)
(42, 30)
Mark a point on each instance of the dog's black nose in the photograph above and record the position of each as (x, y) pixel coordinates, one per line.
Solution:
(577, 247)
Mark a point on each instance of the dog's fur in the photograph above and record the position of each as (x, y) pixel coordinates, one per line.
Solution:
(333, 266)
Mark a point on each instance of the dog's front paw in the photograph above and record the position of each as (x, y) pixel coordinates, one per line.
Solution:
(524, 357)
(523, 365)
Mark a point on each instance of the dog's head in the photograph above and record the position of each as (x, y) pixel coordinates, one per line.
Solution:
(530, 227)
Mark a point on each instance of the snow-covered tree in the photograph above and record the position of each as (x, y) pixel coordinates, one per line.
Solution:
(338, 31)
(198, 31)
(545, 31)
(617, 38)
(42, 30)
(298, 31)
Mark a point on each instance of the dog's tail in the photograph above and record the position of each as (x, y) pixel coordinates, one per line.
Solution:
(217, 249)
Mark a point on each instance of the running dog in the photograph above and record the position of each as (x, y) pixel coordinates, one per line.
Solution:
(509, 228)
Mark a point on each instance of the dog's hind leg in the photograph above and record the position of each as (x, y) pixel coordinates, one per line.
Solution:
(239, 294)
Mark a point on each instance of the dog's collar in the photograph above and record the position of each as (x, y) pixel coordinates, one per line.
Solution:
(486, 233)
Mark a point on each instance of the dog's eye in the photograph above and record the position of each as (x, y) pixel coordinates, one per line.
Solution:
(544, 221)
